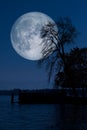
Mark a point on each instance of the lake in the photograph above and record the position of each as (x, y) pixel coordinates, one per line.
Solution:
(41, 116)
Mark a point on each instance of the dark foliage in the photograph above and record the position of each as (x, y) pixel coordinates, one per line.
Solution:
(69, 70)
(74, 74)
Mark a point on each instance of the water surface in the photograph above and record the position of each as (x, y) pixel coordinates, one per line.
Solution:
(41, 116)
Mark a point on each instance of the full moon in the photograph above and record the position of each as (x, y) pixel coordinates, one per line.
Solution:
(26, 35)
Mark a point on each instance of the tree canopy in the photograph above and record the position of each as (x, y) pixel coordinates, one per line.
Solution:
(74, 74)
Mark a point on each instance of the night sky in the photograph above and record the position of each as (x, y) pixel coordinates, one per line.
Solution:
(16, 72)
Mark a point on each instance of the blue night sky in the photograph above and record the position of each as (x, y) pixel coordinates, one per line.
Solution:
(16, 72)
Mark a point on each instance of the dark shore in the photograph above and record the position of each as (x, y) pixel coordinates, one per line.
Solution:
(52, 96)
(44, 96)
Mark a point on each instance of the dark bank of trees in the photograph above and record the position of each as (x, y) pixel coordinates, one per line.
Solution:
(74, 74)
(69, 69)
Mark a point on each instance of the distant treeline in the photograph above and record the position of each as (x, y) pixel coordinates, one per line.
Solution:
(9, 92)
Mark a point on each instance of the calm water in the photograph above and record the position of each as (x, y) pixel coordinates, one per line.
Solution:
(41, 117)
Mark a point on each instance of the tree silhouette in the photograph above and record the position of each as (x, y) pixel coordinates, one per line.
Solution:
(69, 69)
(55, 42)
(66, 34)
(74, 74)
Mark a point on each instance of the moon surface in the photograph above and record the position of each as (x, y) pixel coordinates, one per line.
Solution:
(26, 35)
